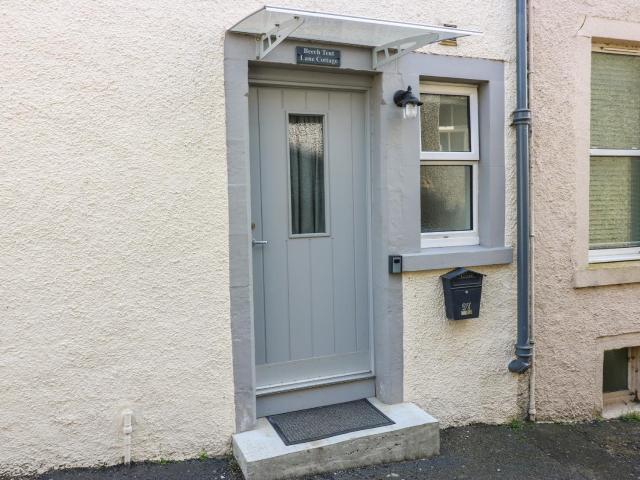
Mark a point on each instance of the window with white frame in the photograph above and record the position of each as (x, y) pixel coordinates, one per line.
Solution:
(614, 184)
(449, 165)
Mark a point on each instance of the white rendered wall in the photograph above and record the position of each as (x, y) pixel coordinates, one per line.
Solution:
(114, 272)
(114, 239)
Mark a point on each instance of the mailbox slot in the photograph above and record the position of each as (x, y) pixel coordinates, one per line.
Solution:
(462, 293)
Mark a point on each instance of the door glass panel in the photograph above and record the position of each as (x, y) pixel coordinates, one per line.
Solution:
(445, 197)
(615, 371)
(445, 123)
(307, 174)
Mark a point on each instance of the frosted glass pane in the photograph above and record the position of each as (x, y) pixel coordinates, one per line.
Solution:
(445, 123)
(614, 202)
(445, 197)
(615, 370)
(615, 101)
(306, 169)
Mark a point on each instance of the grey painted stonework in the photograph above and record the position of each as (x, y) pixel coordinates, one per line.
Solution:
(395, 194)
(488, 75)
(292, 400)
(240, 271)
(451, 257)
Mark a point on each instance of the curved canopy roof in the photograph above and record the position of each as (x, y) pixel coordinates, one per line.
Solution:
(388, 39)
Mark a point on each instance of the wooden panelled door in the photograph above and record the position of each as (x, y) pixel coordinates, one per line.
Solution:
(310, 236)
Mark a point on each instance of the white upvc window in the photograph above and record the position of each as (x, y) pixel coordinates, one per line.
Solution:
(449, 165)
(614, 185)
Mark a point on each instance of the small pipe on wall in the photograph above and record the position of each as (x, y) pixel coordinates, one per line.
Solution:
(522, 122)
(532, 273)
(127, 430)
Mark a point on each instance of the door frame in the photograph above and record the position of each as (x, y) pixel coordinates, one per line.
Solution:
(366, 91)
(394, 208)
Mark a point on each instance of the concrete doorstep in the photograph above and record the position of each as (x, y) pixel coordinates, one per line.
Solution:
(262, 454)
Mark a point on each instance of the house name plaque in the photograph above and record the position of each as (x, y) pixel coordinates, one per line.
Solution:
(318, 56)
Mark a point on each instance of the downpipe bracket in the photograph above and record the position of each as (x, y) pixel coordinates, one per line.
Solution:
(521, 116)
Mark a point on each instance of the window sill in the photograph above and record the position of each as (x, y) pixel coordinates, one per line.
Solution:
(615, 406)
(452, 257)
(611, 273)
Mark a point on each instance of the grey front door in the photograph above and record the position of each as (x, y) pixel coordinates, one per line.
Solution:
(310, 228)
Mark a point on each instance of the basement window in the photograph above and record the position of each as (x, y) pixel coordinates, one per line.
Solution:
(620, 380)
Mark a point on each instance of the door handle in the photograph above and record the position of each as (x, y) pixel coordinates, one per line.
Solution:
(255, 242)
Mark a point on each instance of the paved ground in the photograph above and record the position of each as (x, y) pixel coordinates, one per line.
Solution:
(600, 450)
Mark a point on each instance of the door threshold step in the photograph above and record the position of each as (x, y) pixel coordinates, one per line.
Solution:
(316, 396)
(308, 384)
(414, 434)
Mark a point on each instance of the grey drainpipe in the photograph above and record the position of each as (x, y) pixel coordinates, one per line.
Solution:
(522, 121)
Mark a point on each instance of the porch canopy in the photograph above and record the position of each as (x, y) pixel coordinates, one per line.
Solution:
(388, 40)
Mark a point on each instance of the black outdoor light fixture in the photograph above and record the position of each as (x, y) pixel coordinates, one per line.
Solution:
(408, 102)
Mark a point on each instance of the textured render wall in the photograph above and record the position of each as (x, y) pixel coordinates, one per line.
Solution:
(457, 371)
(568, 321)
(113, 272)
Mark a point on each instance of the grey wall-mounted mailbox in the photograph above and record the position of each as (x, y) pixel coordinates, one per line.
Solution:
(462, 293)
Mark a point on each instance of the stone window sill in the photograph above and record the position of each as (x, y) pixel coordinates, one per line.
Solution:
(612, 273)
(452, 257)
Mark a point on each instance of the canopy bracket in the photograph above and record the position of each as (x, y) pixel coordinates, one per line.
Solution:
(391, 51)
(274, 37)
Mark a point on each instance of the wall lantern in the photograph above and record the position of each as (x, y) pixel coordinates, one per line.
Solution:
(408, 101)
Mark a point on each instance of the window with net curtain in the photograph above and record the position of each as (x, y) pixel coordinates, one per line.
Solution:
(446, 181)
(307, 174)
(614, 187)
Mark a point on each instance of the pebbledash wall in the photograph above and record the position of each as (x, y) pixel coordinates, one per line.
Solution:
(580, 309)
(114, 269)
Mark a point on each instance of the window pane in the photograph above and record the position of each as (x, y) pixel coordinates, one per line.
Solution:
(445, 198)
(615, 370)
(614, 202)
(615, 101)
(445, 123)
(306, 157)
